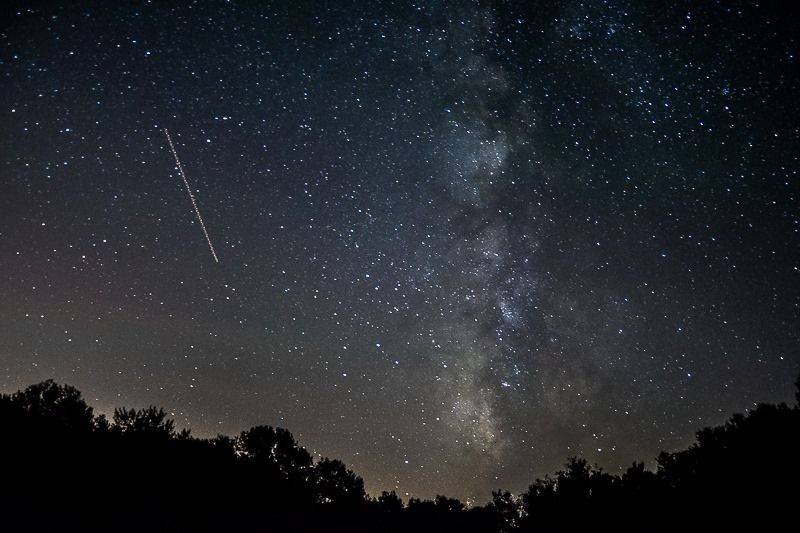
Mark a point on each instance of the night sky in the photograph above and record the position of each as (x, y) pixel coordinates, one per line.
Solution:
(458, 242)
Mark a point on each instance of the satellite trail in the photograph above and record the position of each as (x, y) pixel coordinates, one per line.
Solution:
(191, 196)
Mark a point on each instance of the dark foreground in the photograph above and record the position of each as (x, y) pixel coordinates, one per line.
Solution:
(64, 469)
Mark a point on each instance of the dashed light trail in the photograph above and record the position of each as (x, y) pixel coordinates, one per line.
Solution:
(191, 196)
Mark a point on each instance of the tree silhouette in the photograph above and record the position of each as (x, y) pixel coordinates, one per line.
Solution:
(60, 405)
(139, 473)
(151, 421)
(390, 502)
(506, 508)
(334, 483)
(448, 505)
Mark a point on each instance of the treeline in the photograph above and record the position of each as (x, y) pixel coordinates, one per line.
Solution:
(65, 469)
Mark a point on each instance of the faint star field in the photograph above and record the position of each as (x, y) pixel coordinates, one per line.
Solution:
(459, 241)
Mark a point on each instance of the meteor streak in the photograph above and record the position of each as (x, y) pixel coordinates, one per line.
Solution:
(191, 196)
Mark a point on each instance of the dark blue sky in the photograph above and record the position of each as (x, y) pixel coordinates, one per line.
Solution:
(458, 242)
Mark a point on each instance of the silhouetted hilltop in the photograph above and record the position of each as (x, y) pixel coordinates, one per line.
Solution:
(65, 469)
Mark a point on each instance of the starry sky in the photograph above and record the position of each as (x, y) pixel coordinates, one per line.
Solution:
(458, 241)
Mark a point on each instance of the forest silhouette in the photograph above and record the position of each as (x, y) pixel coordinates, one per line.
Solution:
(65, 469)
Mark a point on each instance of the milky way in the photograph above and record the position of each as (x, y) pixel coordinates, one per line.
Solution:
(461, 242)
